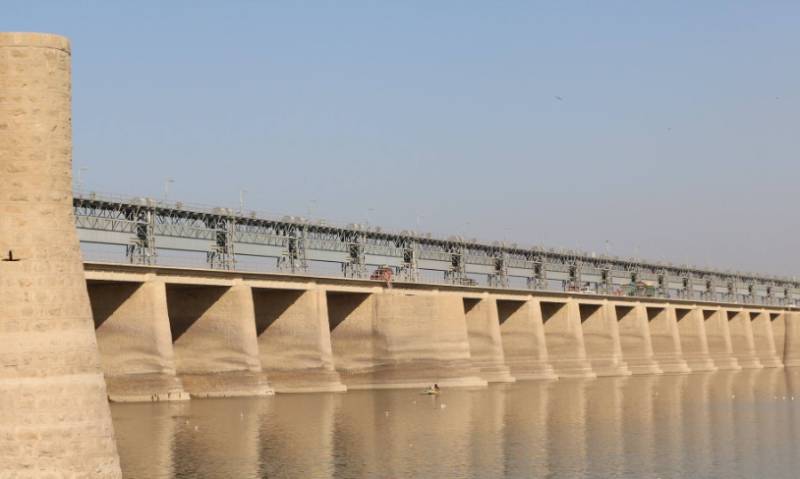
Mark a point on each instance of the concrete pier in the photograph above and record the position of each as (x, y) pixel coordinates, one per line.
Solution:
(719, 339)
(318, 334)
(666, 339)
(400, 339)
(523, 338)
(763, 339)
(778, 320)
(485, 340)
(634, 334)
(694, 344)
(215, 343)
(133, 335)
(601, 338)
(564, 336)
(294, 340)
(791, 352)
(741, 332)
(54, 415)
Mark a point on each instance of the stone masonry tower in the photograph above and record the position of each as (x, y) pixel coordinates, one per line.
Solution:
(54, 416)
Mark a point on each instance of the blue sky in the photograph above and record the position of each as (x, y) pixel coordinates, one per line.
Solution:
(663, 129)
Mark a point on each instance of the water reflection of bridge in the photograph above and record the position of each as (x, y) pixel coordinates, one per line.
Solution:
(724, 424)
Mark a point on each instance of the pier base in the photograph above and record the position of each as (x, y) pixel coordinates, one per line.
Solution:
(524, 343)
(214, 337)
(485, 340)
(294, 340)
(692, 329)
(564, 335)
(742, 342)
(666, 339)
(396, 339)
(719, 339)
(134, 339)
(764, 340)
(601, 339)
(634, 335)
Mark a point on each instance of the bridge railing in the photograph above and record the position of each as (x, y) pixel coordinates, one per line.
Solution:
(152, 231)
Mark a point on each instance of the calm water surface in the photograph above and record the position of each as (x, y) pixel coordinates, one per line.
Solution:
(719, 425)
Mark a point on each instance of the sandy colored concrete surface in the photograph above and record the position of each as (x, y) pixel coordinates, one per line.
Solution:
(634, 335)
(400, 339)
(666, 339)
(601, 338)
(134, 339)
(524, 345)
(778, 320)
(791, 352)
(214, 339)
(54, 415)
(694, 345)
(719, 339)
(741, 331)
(564, 336)
(485, 340)
(763, 339)
(294, 340)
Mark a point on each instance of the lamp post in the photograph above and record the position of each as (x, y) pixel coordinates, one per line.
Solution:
(167, 182)
(242, 192)
(79, 179)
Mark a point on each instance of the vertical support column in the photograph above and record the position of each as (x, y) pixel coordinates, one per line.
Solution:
(214, 336)
(763, 339)
(294, 340)
(134, 339)
(741, 332)
(778, 320)
(401, 339)
(524, 344)
(666, 339)
(791, 353)
(634, 335)
(601, 338)
(719, 339)
(485, 340)
(692, 330)
(564, 336)
(54, 415)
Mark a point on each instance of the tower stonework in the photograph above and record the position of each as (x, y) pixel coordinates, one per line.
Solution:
(54, 416)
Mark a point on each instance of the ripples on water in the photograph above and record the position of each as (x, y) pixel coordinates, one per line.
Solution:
(725, 425)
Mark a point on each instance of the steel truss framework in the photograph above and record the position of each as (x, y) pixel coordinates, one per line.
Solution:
(145, 226)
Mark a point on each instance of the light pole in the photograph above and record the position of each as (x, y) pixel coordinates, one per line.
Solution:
(241, 201)
(167, 182)
(79, 179)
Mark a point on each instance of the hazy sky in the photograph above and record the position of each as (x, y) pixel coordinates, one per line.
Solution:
(667, 129)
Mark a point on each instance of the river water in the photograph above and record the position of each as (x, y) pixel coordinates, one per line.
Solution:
(716, 425)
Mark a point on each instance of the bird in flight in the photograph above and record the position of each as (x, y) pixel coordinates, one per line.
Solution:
(559, 98)
(10, 257)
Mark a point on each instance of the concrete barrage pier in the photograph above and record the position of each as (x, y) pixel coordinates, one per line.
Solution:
(54, 417)
(168, 333)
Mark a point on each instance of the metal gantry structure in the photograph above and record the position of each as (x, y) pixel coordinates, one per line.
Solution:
(144, 227)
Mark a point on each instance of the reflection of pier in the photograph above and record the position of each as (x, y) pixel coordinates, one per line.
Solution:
(640, 426)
